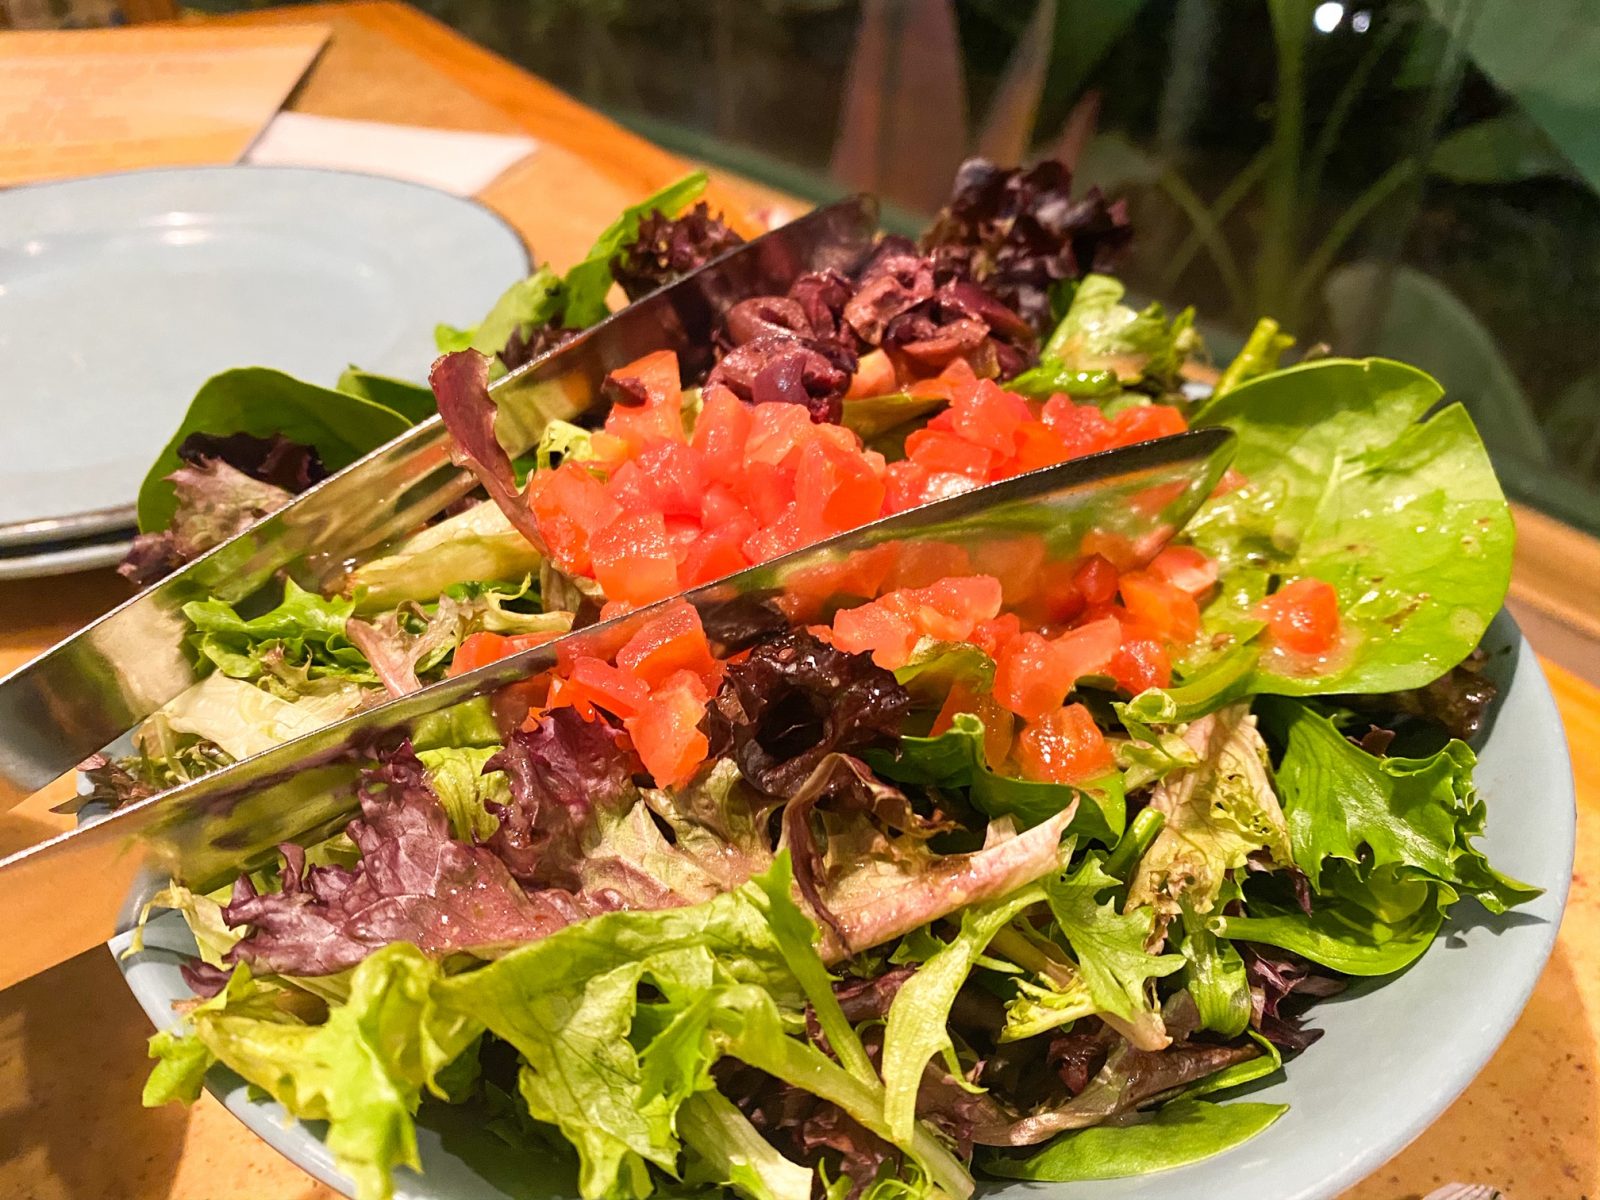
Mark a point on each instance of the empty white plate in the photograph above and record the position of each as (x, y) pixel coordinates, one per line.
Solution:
(121, 294)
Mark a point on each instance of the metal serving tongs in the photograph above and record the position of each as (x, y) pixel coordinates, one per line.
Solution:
(96, 685)
(82, 887)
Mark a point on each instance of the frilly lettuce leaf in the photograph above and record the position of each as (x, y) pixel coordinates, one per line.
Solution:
(363, 1070)
(1414, 817)
(1110, 947)
(526, 303)
(1349, 484)
(1217, 814)
(1100, 333)
(305, 632)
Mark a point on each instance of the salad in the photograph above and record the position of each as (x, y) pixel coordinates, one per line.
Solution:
(960, 865)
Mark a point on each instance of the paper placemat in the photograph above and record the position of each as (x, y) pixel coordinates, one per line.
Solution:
(463, 163)
(83, 102)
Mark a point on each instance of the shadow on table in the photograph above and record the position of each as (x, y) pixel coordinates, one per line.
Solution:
(1527, 1123)
(72, 1063)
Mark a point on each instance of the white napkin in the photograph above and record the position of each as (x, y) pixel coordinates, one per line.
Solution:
(463, 163)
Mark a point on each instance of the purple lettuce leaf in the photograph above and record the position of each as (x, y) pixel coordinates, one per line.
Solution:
(668, 248)
(1282, 986)
(863, 863)
(460, 384)
(1019, 232)
(794, 701)
(414, 883)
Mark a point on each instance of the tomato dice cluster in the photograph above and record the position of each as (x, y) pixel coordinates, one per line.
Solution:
(1121, 628)
(660, 508)
(657, 685)
(987, 434)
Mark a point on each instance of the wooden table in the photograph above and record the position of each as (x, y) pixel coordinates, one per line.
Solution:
(72, 1057)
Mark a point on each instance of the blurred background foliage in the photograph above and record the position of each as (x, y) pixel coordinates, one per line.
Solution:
(1416, 178)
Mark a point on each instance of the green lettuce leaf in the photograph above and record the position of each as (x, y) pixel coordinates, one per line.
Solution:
(306, 631)
(413, 401)
(935, 668)
(1215, 976)
(1183, 1132)
(1110, 947)
(1259, 356)
(1371, 927)
(459, 781)
(1416, 817)
(585, 285)
(363, 1070)
(919, 1017)
(1405, 519)
(527, 303)
(1100, 333)
(477, 545)
(1217, 814)
(955, 759)
(732, 1152)
(264, 402)
(873, 416)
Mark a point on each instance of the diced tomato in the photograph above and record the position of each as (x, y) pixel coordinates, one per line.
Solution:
(1064, 746)
(1028, 677)
(1096, 580)
(994, 635)
(672, 642)
(776, 432)
(721, 431)
(779, 536)
(991, 418)
(1037, 446)
(874, 376)
(905, 481)
(949, 453)
(674, 476)
(617, 691)
(718, 552)
(1186, 568)
(1145, 423)
(719, 505)
(666, 731)
(571, 506)
(1089, 649)
(481, 649)
(633, 560)
(1169, 610)
(766, 490)
(660, 418)
(998, 724)
(835, 490)
(1303, 616)
(951, 607)
(1082, 428)
(566, 695)
(888, 635)
(1139, 664)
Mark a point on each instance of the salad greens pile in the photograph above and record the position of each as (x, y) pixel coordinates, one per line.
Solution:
(947, 881)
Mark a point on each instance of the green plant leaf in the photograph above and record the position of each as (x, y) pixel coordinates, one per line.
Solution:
(955, 759)
(585, 285)
(1415, 816)
(1110, 947)
(413, 401)
(1342, 934)
(527, 303)
(1405, 519)
(1183, 1132)
(264, 402)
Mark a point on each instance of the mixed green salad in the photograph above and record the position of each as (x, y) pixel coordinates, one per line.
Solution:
(961, 862)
